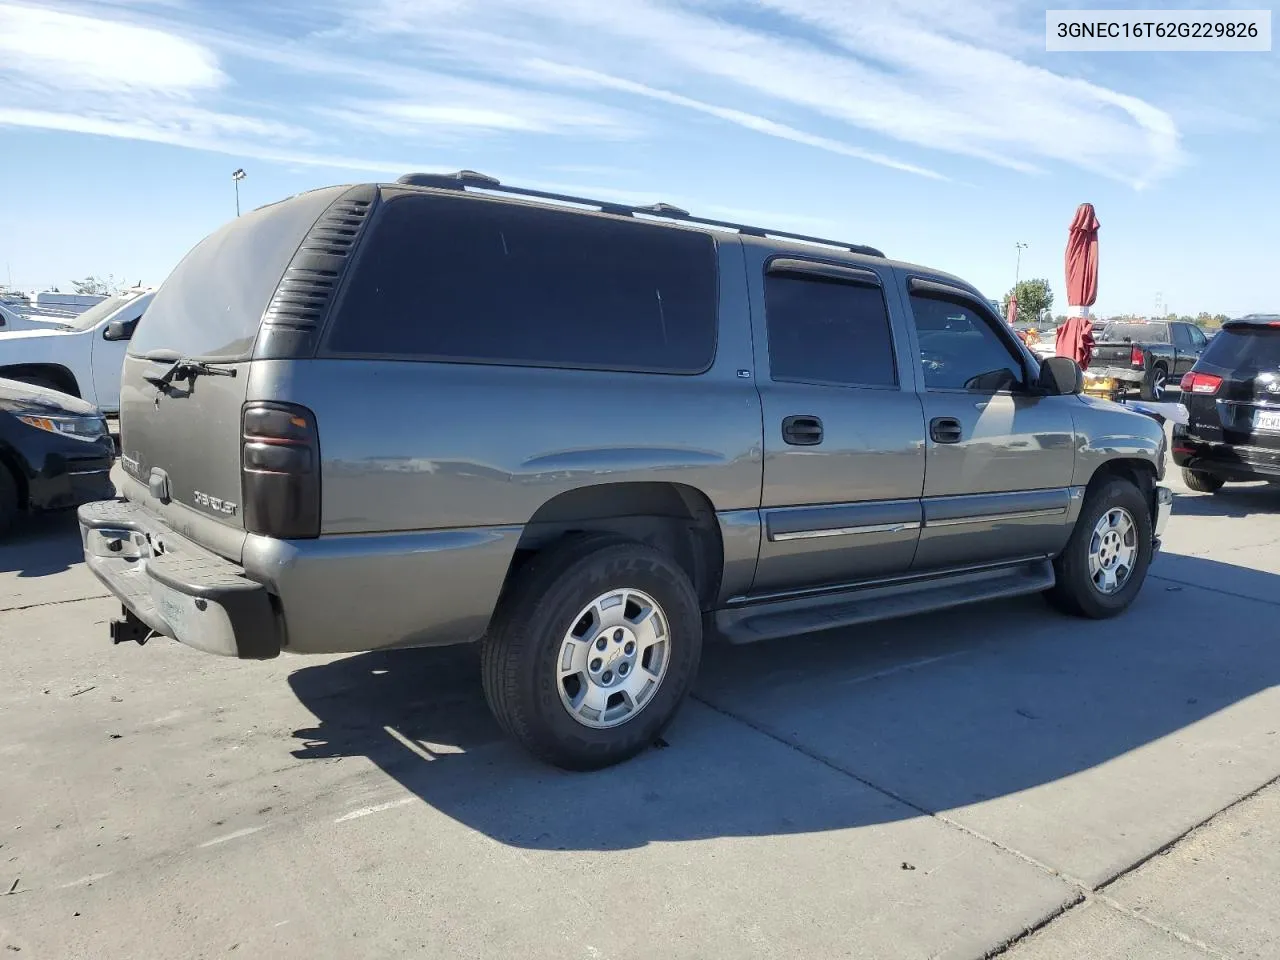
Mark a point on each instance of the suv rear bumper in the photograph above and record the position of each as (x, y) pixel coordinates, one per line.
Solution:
(177, 588)
(1226, 461)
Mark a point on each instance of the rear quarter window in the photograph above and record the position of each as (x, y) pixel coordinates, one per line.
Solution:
(211, 305)
(464, 279)
(1242, 348)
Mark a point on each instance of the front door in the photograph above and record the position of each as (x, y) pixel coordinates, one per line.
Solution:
(1000, 458)
(108, 358)
(843, 438)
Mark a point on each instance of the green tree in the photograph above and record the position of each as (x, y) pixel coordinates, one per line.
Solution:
(1033, 296)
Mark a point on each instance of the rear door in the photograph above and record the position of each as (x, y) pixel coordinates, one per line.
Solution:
(843, 428)
(1187, 350)
(1000, 459)
(180, 443)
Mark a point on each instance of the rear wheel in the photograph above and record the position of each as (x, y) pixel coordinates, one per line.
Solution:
(1156, 384)
(1105, 562)
(1201, 482)
(592, 651)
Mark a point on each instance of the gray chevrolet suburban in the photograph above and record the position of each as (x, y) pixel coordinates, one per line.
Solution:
(585, 435)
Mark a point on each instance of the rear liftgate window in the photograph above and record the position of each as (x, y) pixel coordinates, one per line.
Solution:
(469, 280)
(210, 307)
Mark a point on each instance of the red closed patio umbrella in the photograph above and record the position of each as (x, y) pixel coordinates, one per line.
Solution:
(1075, 337)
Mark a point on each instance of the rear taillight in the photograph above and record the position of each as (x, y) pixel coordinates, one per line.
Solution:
(1136, 357)
(280, 471)
(1202, 383)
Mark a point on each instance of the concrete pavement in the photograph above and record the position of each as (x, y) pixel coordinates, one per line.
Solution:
(998, 780)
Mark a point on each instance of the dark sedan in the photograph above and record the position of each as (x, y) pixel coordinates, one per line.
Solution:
(1233, 398)
(55, 452)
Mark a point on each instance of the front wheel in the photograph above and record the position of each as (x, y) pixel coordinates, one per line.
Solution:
(1105, 562)
(592, 651)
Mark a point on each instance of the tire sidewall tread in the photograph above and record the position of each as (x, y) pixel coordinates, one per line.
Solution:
(1074, 591)
(520, 651)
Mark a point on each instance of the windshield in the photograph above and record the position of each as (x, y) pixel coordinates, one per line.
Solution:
(99, 311)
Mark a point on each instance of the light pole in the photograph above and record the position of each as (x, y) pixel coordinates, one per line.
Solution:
(1017, 268)
(237, 176)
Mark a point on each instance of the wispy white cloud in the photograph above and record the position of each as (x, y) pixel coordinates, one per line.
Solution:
(903, 84)
(72, 51)
(741, 118)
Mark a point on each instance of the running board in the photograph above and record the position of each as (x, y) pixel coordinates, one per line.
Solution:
(787, 618)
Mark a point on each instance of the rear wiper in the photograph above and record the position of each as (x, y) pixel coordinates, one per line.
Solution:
(182, 368)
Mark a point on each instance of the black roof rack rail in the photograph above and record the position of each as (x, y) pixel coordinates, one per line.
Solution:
(464, 179)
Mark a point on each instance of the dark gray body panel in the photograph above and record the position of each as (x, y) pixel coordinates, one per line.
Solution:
(433, 474)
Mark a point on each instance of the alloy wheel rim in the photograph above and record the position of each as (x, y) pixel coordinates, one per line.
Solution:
(613, 658)
(1113, 551)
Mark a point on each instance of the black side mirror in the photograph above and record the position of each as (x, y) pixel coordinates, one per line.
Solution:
(119, 329)
(1060, 377)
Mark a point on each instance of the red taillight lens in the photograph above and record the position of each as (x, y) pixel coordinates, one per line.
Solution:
(1202, 383)
(280, 471)
(1136, 357)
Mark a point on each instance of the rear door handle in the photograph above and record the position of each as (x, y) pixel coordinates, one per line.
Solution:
(945, 430)
(802, 431)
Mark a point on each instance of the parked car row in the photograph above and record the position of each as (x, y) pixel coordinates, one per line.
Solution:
(585, 435)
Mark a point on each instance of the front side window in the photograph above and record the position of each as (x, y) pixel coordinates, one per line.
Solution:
(465, 279)
(959, 350)
(1198, 339)
(1181, 337)
(828, 332)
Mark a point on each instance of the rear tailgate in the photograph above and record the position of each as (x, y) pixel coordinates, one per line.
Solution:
(180, 441)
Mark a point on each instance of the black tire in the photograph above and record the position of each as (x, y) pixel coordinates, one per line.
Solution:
(520, 654)
(1075, 592)
(10, 508)
(1155, 384)
(1201, 482)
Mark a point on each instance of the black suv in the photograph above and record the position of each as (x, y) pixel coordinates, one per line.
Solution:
(1233, 397)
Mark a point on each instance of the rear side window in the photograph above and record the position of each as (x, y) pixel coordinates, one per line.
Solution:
(1136, 332)
(210, 306)
(1243, 349)
(828, 332)
(471, 280)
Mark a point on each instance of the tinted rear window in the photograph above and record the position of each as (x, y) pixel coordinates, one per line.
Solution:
(1244, 349)
(471, 280)
(211, 304)
(827, 332)
(1136, 332)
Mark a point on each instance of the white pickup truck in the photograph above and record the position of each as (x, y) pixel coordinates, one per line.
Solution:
(81, 356)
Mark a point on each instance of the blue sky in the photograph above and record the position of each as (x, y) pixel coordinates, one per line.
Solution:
(937, 130)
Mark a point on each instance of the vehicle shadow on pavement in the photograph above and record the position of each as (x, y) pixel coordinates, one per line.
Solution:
(42, 545)
(1230, 501)
(791, 736)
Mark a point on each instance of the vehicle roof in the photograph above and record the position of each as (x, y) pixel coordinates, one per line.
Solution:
(1254, 320)
(470, 183)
